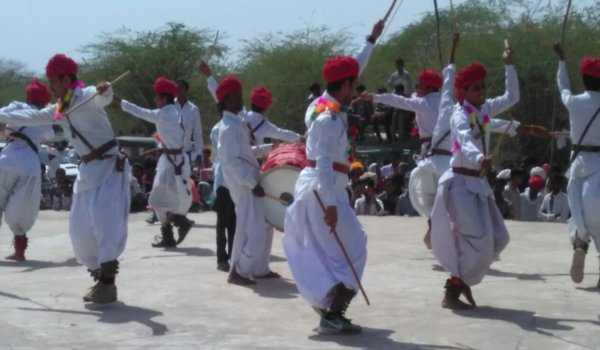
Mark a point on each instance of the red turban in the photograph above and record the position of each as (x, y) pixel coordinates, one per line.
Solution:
(340, 68)
(468, 76)
(431, 78)
(536, 183)
(37, 93)
(261, 97)
(229, 85)
(590, 66)
(163, 85)
(59, 65)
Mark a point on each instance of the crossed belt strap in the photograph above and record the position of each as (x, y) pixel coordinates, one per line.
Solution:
(99, 152)
(174, 152)
(339, 167)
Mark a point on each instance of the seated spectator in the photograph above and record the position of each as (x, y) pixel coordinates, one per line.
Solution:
(403, 204)
(206, 167)
(512, 192)
(504, 205)
(368, 203)
(531, 199)
(63, 191)
(555, 207)
(539, 171)
(389, 196)
(356, 170)
(138, 197)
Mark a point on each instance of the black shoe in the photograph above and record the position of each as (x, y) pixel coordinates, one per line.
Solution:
(166, 239)
(184, 229)
(223, 266)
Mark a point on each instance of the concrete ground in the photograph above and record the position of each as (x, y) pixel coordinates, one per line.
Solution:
(177, 299)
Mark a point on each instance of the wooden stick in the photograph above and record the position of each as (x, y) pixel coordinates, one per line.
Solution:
(281, 201)
(498, 144)
(337, 238)
(564, 26)
(387, 15)
(506, 44)
(211, 49)
(437, 25)
(454, 20)
(74, 108)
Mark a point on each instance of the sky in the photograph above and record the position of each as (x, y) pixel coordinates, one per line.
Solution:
(34, 30)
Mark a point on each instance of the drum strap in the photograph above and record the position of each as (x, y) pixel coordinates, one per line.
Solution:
(253, 130)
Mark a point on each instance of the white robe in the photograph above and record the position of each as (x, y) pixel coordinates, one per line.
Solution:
(560, 207)
(20, 174)
(193, 142)
(467, 229)
(530, 209)
(98, 217)
(424, 179)
(583, 189)
(170, 192)
(240, 171)
(313, 255)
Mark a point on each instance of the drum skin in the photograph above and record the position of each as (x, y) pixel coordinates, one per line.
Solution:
(280, 172)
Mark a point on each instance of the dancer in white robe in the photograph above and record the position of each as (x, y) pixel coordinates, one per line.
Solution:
(101, 197)
(170, 197)
(20, 176)
(467, 229)
(322, 274)
(583, 189)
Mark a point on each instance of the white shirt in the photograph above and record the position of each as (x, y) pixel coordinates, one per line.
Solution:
(327, 142)
(214, 141)
(267, 129)
(426, 108)
(468, 139)
(91, 121)
(560, 206)
(373, 208)
(581, 109)
(167, 119)
(192, 125)
(236, 157)
(530, 208)
(17, 157)
(404, 79)
(441, 137)
(362, 57)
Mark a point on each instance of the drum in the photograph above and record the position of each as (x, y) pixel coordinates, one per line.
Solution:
(280, 172)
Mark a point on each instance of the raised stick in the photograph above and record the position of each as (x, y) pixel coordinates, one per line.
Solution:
(387, 15)
(74, 108)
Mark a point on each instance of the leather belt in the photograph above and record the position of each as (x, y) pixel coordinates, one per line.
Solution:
(171, 151)
(440, 152)
(467, 172)
(99, 153)
(584, 148)
(339, 167)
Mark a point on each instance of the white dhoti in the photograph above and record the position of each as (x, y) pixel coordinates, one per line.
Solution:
(314, 256)
(263, 267)
(170, 193)
(423, 183)
(98, 220)
(584, 201)
(249, 244)
(467, 230)
(19, 201)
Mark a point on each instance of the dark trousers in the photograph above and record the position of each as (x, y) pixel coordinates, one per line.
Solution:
(386, 123)
(225, 224)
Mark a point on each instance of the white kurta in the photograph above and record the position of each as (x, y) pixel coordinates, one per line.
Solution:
(558, 211)
(424, 179)
(240, 172)
(263, 128)
(98, 217)
(193, 142)
(170, 192)
(583, 189)
(314, 256)
(467, 228)
(20, 174)
(530, 208)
